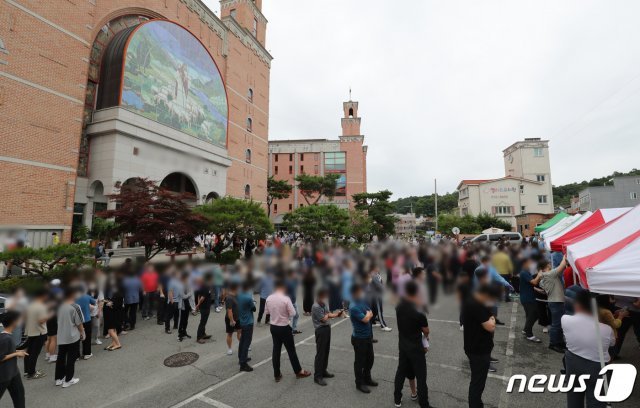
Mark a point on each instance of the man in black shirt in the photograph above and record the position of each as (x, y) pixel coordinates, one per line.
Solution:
(412, 326)
(9, 374)
(203, 304)
(479, 325)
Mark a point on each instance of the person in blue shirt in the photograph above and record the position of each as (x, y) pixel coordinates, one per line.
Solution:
(86, 303)
(246, 307)
(132, 288)
(362, 339)
(528, 298)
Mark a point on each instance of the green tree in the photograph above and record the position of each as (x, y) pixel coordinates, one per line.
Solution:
(45, 260)
(486, 221)
(313, 188)
(230, 218)
(318, 221)
(378, 208)
(361, 226)
(276, 190)
(103, 230)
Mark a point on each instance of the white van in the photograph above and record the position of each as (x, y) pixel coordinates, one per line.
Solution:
(512, 237)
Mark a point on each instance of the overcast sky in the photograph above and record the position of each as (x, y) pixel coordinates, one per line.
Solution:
(445, 86)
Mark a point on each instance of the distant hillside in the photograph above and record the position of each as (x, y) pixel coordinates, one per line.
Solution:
(424, 205)
(562, 194)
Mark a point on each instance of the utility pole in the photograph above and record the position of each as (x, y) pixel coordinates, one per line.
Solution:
(435, 193)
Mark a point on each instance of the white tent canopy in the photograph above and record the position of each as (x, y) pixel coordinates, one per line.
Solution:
(550, 237)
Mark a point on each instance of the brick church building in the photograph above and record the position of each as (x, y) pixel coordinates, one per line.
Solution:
(95, 93)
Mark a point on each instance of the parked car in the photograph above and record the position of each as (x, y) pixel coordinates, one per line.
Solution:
(512, 237)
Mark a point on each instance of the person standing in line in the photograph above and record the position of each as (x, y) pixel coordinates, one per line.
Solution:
(308, 286)
(528, 299)
(87, 304)
(9, 373)
(231, 319)
(479, 326)
(163, 293)
(96, 312)
(377, 298)
(292, 292)
(582, 356)
(186, 306)
(174, 299)
(552, 284)
(36, 331)
(113, 312)
(279, 306)
(55, 299)
(203, 305)
(218, 286)
(266, 289)
(361, 339)
(70, 333)
(413, 330)
(149, 281)
(132, 288)
(246, 307)
(321, 316)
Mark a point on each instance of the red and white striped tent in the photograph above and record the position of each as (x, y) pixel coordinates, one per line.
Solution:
(607, 258)
(586, 225)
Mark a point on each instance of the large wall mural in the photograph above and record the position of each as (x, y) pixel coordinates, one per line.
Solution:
(170, 77)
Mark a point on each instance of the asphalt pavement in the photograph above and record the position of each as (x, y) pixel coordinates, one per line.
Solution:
(135, 376)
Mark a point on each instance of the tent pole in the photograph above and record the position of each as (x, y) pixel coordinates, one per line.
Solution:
(594, 306)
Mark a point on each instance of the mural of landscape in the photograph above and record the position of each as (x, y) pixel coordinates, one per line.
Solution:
(170, 78)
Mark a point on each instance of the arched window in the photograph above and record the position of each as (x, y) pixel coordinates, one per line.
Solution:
(247, 192)
(247, 156)
(250, 95)
(350, 112)
(249, 124)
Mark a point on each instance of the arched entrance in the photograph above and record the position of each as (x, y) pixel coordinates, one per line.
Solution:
(211, 196)
(182, 184)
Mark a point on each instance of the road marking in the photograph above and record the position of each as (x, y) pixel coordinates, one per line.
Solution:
(444, 321)
(213, 402)
(508, 369)
(429, 364)
(222, 383)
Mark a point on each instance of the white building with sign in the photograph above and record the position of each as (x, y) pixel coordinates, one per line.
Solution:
(525, 188)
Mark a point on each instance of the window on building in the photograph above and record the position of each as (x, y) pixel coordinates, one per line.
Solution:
(301, 205)
(247, 192)
(290, 169)
(542, 199)
(275, 208)
(502, 210)
(255, 27)
(316, 169)
(250, 95)
(538, 152)
(290, 207)
(2, 46)
(302, 169)
(290, 156)
(275, 157)
(250, 124)
(540, 177)
(521, 188)
(350, 112)
(637, 181)
(275, 170)
(233, 13)
(633, 195)
(247, 156)
(335, 162)
(301, 156)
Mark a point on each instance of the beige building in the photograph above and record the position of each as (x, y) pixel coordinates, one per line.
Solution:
(405, 223)
(525, 188)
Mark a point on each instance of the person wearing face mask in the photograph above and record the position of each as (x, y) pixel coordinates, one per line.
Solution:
(321, 316)
(479, 326)
(70, 333)
(87, 304)
(96, 312)
(9, 373)
(361, 339)
(528, 299)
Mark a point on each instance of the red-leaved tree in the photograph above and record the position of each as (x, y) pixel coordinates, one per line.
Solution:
(154, 217)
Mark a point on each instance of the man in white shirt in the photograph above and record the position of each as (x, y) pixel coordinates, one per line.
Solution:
(582, 355)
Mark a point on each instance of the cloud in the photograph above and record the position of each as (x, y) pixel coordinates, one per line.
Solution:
(445, 86)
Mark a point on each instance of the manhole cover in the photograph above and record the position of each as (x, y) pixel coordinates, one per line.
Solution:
(181, 359)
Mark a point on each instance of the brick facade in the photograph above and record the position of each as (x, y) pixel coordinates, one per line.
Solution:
(46, 59)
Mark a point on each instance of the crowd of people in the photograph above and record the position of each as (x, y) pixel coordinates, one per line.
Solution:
(68, 319)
